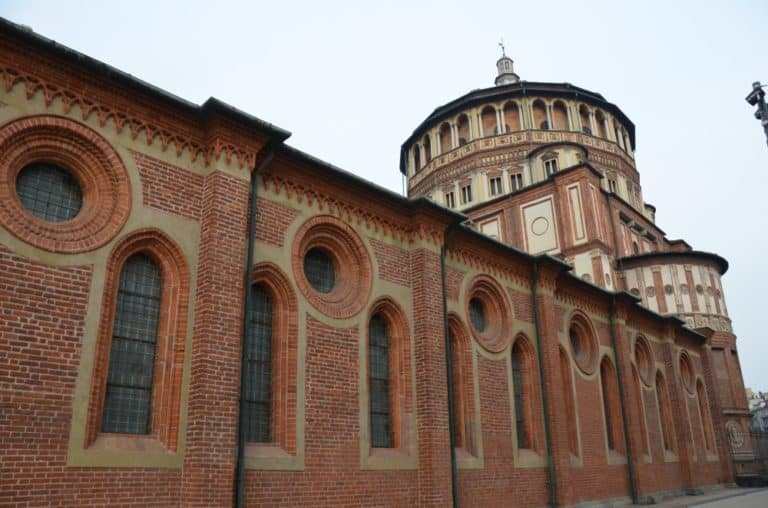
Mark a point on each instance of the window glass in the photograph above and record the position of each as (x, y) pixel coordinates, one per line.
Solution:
(49, 192)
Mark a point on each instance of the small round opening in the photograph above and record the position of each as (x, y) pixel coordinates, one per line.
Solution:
(477, 314)
(319, 270)
(49, 192)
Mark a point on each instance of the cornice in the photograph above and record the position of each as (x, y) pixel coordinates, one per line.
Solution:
(210, 148)
(325, 202)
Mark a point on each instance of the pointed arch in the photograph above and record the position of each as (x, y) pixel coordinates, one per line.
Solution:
(569, 399)
(611, 408)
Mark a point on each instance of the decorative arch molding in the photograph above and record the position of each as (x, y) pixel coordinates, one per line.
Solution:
(583, 342)
(465, 401)
(284, 369)
(171, 337)
(526, 397)
(401, 395)
(642, 354)
(352, 265)
(497, 333)
(92, 161)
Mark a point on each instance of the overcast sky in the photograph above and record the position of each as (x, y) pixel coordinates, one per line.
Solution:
(351, 81)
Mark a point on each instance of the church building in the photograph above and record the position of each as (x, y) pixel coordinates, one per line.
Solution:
(194, 313)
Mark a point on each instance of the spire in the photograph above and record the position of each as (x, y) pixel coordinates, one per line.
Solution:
(507, 74)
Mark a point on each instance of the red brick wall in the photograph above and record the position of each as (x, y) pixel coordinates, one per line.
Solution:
(394, 263)
(168, 187)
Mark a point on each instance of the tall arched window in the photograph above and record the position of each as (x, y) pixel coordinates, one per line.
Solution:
(523, 386)
(446, 141)
(611, 407)
(665, 412)
(462, 126)
(570, 403)
(416, 158)
(132, 355)
(540, 116)
(640, 409)
(705, 417)
(488, 118)
(559, 116)
(427, 148)
(258, 370)
(512, 117)
(380, 407)
(457, 377)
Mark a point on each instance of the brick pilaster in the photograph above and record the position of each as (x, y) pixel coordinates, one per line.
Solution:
(215, 368)
(431, 389)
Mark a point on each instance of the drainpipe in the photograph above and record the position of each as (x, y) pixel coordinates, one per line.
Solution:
(627, 442)
(544, 398)
(449, 369)
(240, 463)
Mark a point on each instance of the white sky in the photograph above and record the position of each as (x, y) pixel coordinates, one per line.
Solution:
(351, 81)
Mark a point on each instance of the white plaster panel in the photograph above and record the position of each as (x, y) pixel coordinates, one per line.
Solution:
(540, 227)
(491, 228)
(577, 214)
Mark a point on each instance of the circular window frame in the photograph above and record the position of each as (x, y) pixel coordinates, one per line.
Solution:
(687, 377)
(90, 159)
(644, 361)
(353, 276)
(497, 334)
(587, 358)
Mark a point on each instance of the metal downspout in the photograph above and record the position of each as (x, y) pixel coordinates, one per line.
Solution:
(449, 370)
(622, 402)
(544, 398)
(239, 500)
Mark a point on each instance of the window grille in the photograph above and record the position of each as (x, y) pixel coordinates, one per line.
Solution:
(517, 382)
(477, 314)
(49, 192)
(258, 374)
(132, 357)
(319, 270)
(381, 418)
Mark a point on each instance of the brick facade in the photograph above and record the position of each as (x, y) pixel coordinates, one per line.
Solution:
(184, 202)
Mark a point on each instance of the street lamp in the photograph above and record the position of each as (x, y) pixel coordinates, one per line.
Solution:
(757, 98)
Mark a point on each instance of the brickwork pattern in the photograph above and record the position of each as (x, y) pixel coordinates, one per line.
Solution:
(168, 187)
(394, 263)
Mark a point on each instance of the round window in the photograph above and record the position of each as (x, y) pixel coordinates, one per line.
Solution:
(49, 192)
(644, 360)
(584, 346)
(332, 267)
(686, 372)
(319, 270)
(488, 309)
(477, 314)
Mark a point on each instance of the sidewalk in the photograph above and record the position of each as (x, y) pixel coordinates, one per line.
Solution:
(722, 498)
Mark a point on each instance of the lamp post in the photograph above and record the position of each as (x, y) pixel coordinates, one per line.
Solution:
(757, 98)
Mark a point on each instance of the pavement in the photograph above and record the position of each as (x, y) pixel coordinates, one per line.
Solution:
(735, 497)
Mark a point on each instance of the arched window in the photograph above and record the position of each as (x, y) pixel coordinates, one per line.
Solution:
(600, 121)
(705, 416)
(665, 412)
(446, 143)
(586, 125)
(512, 117)
(134, 341)
(638, 389)
(570, 403)
(378, 365)
(463, 127)
(258, 372)
(490, 128)
(559, 116)
(416, 158)
(540, 116)
(138, 362)
(427, 148)
(459, 397)
(523, 385)
(611, 408)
